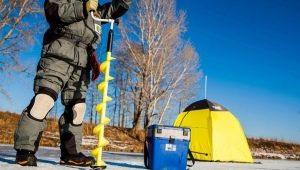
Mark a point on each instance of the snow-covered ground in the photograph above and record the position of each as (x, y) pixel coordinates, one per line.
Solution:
(48, 160)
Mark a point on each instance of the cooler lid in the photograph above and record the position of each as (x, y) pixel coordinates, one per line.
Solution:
(168, 132)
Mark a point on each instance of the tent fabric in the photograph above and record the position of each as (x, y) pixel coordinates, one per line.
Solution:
(205, 104)
(216, 134)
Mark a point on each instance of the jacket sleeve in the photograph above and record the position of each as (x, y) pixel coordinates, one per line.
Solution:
(114, 9)
(64, 11)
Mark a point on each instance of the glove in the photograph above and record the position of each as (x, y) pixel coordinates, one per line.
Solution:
(95, 66)
(91, 5)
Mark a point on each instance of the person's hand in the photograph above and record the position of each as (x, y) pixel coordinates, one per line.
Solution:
(91, 5)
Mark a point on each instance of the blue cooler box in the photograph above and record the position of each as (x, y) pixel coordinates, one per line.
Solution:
(167, 147)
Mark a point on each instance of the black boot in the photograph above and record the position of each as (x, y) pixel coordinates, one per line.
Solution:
(26, 158)
(89, 160)
(77, 159)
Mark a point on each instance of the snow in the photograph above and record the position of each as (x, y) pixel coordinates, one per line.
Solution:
(48, 160)
(89, 140)
(92, 141)
(281, 156)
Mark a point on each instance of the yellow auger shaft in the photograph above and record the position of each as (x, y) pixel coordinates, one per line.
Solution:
(101, 107)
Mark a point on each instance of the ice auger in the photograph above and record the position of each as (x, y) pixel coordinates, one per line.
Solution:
(101, 107)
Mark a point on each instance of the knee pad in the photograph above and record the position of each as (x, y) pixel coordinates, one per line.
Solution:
(40, 106)
(78, 113)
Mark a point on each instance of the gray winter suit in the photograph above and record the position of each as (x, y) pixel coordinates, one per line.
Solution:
(64, 67)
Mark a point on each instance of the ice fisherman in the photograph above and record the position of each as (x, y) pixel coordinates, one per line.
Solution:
(67, 58)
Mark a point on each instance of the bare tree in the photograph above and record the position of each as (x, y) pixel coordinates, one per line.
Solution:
(157, 63)
(121, 83)
(17, 29)
(115, 107)
(92, 99)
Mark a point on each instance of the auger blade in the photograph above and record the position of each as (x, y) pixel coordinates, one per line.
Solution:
(95, 152)
(105, 120)
(99, 107)
(101, 86)
(107, 99)
(104, 66)
(97, 130)
(110, 58)
(109, 78)
(103, 142)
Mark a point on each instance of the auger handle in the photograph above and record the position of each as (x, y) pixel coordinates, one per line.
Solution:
(111, 21)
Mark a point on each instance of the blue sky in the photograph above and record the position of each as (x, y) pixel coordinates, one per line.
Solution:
(250, 51)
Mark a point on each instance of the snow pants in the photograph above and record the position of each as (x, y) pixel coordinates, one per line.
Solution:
(55, 75)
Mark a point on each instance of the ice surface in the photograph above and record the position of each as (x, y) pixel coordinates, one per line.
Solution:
(48, 160)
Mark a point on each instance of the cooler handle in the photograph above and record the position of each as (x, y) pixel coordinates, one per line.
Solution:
(192, 158)
(146, 154)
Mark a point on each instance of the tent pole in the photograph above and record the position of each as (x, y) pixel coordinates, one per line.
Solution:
(205, 88)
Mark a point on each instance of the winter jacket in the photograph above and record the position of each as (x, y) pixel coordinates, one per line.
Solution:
(72, 29)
